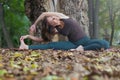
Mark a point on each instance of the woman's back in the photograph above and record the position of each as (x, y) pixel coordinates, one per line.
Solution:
(71, 29)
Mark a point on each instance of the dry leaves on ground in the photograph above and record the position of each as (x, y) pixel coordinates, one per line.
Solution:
(59, 65)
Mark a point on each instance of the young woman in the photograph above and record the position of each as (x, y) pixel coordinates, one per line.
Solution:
(54, 22)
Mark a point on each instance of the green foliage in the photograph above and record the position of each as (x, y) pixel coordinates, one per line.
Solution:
(15, 19)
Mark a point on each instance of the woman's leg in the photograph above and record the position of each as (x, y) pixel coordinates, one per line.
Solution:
(96, 44)
(63, 45)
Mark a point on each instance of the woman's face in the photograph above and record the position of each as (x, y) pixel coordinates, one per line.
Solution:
(53, 21)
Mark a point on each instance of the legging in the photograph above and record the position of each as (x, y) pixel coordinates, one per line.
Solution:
(87, 43)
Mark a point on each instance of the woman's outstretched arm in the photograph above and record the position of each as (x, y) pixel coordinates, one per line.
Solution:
(60, 15)
(32, 38)
(41, 17)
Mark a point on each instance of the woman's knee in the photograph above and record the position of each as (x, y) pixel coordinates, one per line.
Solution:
(106, 44)
(102, 43)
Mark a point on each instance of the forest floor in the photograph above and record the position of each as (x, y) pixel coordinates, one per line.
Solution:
(59, 65)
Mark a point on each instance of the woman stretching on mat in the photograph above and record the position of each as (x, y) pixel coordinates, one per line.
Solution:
(54, 22)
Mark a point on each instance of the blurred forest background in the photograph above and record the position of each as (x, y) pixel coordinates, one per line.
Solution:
(15, 19)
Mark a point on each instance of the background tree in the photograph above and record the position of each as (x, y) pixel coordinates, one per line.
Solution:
(93, 18)
(4, 29)
(101, 24)
(109, 9)
(112, 19)
(112, 16)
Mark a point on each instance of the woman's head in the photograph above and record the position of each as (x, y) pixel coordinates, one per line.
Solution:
(48, 24)
(53, 20)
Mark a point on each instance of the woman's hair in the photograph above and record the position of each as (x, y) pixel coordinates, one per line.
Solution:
(46, 30)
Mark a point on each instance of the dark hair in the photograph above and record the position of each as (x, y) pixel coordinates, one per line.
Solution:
(46, 30)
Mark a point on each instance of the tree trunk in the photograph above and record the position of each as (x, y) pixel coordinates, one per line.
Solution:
(4, 29)
(112, 18)
(34, 8)
(90, 13)
(96, 24)
(93, 18)
(76, 9)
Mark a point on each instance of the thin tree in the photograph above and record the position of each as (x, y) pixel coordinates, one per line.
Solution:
(93, 6)
(4, 29)
(112, 19)
(90, 14)
(96, 22)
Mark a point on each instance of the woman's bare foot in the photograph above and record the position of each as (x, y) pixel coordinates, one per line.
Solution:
(23, 45)
(79, 48)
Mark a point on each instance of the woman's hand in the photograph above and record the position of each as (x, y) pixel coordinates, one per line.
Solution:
(24, 37)
(32, 29)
